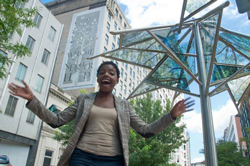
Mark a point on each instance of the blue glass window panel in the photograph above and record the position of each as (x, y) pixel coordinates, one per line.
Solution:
(171, 74)
(144, 88)
(223, 71)
(240, 43)
(149, 45)
(238, 86)
(225, 54)
(172, 42)
(135, 37)
(207, 33)
(162, 33)
(193, 5)
(149, 59)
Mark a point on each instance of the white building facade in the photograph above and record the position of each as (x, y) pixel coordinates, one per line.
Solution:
(19, 127)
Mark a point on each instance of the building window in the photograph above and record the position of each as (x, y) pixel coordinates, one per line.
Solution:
(2, 56)
(118, 41)
(109, 15)
(125, 26)
(47, 158)
(133, 75)
(105, 49)
(45, 57)
(108, 27)
(116, 12)
(52, 33)
(114, 91)
(30, 117)
(133, 86)
(126, 66)
(121, 72)
(125, 89)
(130, 71)
(113, 46)
(130, 81)
(19, 5)
(11, 106)
(120, 95)
(39, 83)
(125, 79)
(121, 84)
(30, 43)
(21, 72)
(115, 25)
(120, 18)
(107, 39)
(129, 92)
(114, 37)
(37, 19)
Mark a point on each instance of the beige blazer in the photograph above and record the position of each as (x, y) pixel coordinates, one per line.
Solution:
(79, 111)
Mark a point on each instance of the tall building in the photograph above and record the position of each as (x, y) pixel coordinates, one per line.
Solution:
(19, 127)
(244, 116)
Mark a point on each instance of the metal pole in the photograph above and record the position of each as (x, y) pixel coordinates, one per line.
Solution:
(206, 110)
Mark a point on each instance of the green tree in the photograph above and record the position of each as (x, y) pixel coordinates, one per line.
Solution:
(157, 149)
(229, 155)
(12, 19)
(246, 140)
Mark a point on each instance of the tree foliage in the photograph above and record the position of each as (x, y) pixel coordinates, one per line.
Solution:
(157, 149)
(12, 19)
(246, 140)
(229, 155)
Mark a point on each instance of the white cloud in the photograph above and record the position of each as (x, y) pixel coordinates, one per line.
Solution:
(221, 117)
(143, 13)
(198, 159)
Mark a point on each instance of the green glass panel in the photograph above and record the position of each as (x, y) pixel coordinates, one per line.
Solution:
(144, 88)
(135, 37)
(238, 86)
(193, 5)
(240, 43)
(149, 59)
(224, 71)
(171, 74)
(148, 45)
(225, 54)
(207, 34)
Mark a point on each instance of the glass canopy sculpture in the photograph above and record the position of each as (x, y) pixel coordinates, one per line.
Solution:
(196, 51)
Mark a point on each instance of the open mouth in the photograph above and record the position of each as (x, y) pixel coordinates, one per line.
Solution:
(105, 82)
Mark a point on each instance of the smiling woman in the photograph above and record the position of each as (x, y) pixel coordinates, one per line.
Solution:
(102, 121)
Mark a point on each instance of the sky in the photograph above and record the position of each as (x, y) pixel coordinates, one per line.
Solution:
(145, 13)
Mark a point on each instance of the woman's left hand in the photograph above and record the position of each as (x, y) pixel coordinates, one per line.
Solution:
(181, 107)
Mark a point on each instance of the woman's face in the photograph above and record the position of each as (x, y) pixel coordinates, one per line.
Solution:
(107, 78)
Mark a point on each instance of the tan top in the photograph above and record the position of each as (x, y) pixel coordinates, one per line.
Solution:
(101, 136)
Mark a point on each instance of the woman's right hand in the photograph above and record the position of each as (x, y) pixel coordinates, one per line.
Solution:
(23, 92)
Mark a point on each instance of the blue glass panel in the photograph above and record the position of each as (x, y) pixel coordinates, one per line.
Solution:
(207, 33)
(149, 59)
(171, 74)
(149, 45)
(135, 37)
(193, 5)
(224, 71)
(225, 54)
(178, 48)
(238, 86)
(240, 43)
(145, 87)
(162, 33)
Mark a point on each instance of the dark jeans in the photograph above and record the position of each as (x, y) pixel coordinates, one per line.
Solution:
(81, 158)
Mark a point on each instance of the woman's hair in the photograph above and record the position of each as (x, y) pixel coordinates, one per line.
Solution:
(109, 63)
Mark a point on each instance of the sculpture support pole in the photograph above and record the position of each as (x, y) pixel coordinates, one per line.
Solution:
(206, 110)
